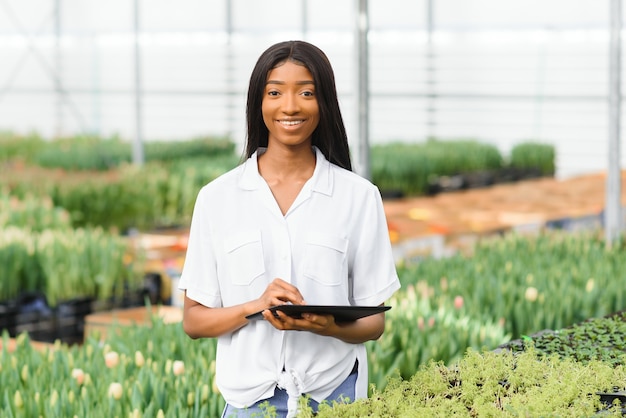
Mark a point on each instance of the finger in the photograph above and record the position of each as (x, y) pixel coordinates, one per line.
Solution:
(271, 316)
(279, 321)
(290, 292)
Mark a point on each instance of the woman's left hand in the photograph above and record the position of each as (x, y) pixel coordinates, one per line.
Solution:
(319, 324)
(359, 331)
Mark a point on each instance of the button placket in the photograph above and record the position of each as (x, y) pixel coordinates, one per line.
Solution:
(283, 251)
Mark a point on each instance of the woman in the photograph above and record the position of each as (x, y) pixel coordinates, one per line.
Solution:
(291, 225)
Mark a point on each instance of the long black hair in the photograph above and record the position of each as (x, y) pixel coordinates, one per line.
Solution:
(330, 135)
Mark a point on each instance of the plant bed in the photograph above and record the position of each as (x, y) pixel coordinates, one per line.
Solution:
(480, 179)
(596, 339)
(99, 324)
(601, 339)
(492, 384)
(612, 398)
(480, 384)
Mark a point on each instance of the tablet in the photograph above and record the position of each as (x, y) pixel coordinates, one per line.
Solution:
(341, 313)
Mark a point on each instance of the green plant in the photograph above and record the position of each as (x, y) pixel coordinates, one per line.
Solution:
(534, 155)
(148, 371)
(84, 263)
(408, 167)
(417, 332)
(18, 273)
(146, 197)
(34, 213)
(91, 152)
(491, 384)
(204, 147)
(529, 283)
(14, 148)
(66, 264)
(601, 339)
(84, 152)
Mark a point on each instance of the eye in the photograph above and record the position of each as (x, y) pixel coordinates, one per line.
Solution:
(273, 93)
(308, 93)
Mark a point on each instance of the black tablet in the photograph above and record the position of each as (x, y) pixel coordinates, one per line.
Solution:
(341, 313)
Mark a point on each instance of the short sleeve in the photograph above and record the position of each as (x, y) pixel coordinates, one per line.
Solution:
(199, 275)
(373, 273)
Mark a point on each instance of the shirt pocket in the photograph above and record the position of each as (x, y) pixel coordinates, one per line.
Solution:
(244, 256)
(325, 259)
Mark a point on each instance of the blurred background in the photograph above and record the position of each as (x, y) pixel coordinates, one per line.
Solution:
(499, 72)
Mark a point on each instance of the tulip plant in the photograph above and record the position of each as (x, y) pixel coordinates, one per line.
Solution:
(504, 288)
(35, 213)
(417, 333)
(154, 371)
(528, 284)
(83, 263)
(66, 264)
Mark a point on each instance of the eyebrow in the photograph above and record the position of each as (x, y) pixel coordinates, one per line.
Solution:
(300, 83)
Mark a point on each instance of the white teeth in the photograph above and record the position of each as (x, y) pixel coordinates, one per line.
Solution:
(291, 122)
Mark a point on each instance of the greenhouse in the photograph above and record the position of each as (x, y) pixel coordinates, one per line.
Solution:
(306, 208)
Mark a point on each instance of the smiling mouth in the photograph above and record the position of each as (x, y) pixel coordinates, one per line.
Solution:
(290, 122)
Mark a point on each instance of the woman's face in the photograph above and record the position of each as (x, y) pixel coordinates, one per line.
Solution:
(290, 109)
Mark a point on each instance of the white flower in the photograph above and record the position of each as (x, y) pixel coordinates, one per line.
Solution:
(115, 391)
(139, 359)
(178, 367)
(17, 399)
(79, 375)
(111, 359)
(531, 294)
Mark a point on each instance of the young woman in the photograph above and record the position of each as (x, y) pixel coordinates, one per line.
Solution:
(291, 225)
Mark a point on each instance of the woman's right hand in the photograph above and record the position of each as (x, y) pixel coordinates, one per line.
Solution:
(201, 321)
(279, 292)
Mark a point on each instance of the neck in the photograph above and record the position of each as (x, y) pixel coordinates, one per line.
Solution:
(287, 163)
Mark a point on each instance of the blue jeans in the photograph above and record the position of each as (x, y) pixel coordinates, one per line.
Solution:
(345, 390)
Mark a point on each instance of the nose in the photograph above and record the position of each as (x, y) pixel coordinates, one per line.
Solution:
(290, 104)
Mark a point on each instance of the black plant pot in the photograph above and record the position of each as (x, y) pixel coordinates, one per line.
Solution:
(35, 317)
(70, 319)
(607, 399)
(8, 311)
(478, 179)
(152, 284)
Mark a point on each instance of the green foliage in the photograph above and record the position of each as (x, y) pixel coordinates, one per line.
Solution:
(533, 155)
(91, 152)
(492, 385)
(602, 339)
(421, 365)
(170, 151)
(19, 148)
(162, 192)
(18, 272)
(34, 213)
(130, 197)
(549, 281)
(84, 153)
(49, 385)
(410, 167)
(83, 263)
(417, 332)
(66, 264)
(400, 167)
(479, 384)
(156, 194)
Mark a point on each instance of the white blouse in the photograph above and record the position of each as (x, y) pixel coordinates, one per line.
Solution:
(332, 244)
